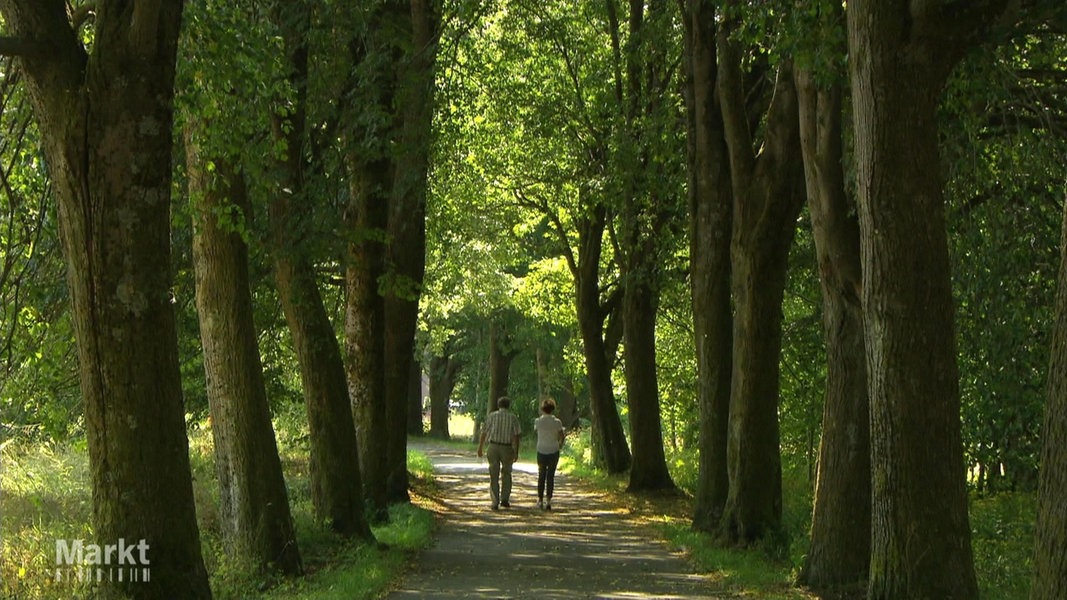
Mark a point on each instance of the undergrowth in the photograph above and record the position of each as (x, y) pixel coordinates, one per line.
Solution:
(1002, 533)
(47, 496)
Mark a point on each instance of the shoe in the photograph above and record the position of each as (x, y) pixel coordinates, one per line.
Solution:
(505, 504)
(540, 504)
(548, 505)
(495, 507)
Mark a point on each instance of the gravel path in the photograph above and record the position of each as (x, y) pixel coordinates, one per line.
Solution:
(586, 547)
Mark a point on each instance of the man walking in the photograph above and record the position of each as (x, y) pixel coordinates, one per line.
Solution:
(502, 431)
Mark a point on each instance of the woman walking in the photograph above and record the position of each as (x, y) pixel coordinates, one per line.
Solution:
(549, 440)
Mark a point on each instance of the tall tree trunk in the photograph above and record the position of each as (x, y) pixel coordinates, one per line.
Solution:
(105, 121)
(767, 197)
(1050, 544)
(610, 451)
(252, 494)
(366, 219)
(841, 519)
(710, 222)
(336, 487)
(406, 254)
(902, 53)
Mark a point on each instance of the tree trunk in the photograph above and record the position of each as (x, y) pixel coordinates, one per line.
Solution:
(336, 487)
(767, 196)
(500, 358)
(366, 219)
(444, 370)
(105, 121)
(710, 222)
(1050, 544)
(252, 494)
(841, 520)
(415, 399)
(610, 451)
(567, 404)
(921, 540)
(648, 471)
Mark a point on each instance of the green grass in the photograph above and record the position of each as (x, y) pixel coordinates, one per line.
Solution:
(1002, 529)
(364, 571)
(745, 572)
(46, 496)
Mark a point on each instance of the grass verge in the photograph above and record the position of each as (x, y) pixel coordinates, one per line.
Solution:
(46, 496)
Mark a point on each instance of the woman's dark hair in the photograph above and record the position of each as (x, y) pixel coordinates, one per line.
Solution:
(548, 406)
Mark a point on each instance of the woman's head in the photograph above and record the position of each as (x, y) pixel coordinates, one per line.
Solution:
(548, 405)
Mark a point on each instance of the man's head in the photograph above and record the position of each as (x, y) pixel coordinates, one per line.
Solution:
(503, 402)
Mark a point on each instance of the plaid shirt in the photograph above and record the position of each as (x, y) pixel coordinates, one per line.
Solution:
(501, 426)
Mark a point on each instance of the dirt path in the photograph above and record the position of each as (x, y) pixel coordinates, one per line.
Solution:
(586, 547)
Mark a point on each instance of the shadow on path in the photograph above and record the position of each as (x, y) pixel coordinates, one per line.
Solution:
(585, 547)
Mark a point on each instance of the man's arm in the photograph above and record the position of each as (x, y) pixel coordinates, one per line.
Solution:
(481, 442)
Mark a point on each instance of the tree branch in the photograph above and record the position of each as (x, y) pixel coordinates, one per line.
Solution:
(731, 94)
(14, 46)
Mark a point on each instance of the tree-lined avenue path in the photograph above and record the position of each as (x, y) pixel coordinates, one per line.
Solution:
(586, 547)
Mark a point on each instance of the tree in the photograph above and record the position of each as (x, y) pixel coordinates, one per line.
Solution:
(710, 214)
(396, 50)
(767, 197)
(646, 219)
(840, 531)
(105, 116)
(1050, 543)
(901, 54)
(254, 502)
(336, 482)
(444, 371)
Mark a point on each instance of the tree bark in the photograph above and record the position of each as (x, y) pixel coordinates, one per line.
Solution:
(500, 357)
(567, 404)
(648, 471)
(767, 197)
(902, 54)
(105, 121)
(252, 494)
(336, 486)
(610, 451)
(444, 370)
(415, 399)
(710, 223)
(406, 254)
(1050, 543)
(644, 218)
(841, 522)
(366, 219)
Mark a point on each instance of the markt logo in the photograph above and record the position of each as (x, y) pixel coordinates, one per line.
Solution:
(76, 560)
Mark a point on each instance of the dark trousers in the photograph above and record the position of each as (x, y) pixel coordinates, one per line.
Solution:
(546, 474)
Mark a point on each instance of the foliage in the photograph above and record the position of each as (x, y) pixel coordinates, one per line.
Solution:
(1004, 120)
(39, 396)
